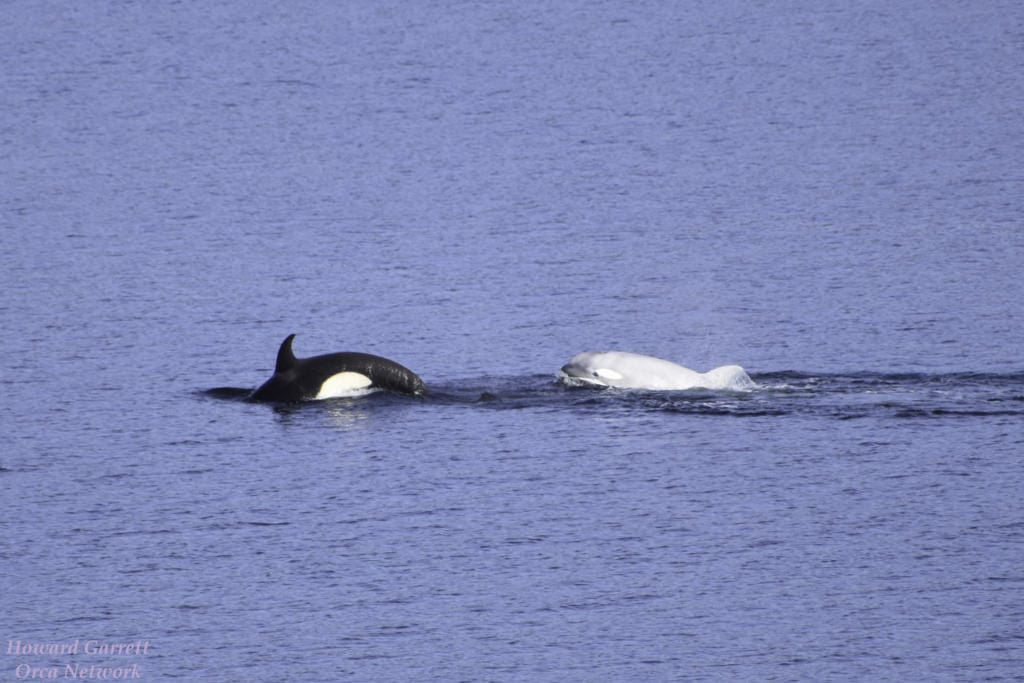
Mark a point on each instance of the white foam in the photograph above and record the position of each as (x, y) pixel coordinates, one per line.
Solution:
(731, 377)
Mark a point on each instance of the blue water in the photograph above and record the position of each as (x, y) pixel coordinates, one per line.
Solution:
(829, 194)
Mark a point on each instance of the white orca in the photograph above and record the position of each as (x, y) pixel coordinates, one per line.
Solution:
(634, 371)
(333, 375)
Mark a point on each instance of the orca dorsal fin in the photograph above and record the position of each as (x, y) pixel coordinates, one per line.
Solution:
(285, 356)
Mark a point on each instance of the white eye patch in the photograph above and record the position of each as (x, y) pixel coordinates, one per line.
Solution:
(605, 373)
(343, 384)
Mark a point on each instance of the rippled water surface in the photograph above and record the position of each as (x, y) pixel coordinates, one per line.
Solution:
(829, 195)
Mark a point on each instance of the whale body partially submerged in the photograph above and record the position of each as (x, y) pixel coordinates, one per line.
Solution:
(635, 371)
(333, 375)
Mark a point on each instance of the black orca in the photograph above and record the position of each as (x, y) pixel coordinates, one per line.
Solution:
(332, 374)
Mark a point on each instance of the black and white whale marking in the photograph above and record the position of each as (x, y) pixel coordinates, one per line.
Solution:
(332, 375)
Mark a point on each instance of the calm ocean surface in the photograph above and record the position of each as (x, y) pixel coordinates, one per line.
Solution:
(830, 194)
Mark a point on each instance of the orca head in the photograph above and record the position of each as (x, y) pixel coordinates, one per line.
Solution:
(581, 371)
